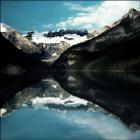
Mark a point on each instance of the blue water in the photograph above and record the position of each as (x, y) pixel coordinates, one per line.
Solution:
(29, 123)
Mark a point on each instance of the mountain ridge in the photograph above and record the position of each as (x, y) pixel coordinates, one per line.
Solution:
(103, 51)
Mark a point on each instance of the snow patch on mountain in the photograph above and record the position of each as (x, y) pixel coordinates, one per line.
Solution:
(72, 39)
(2, 28)
(5, 28)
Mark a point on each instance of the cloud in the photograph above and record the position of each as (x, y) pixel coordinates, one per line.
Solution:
(77, 7)
(97, 16)
(47, 25)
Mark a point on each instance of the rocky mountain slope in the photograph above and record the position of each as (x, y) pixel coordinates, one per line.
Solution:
(18, 40)
(14, 62)
(46, 46)
(53, 44)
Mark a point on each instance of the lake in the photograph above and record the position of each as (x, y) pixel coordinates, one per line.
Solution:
(77, 105)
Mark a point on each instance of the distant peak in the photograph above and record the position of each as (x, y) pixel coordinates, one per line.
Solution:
(133, 13)
(2, 28)
(5, 28)
(132, 10)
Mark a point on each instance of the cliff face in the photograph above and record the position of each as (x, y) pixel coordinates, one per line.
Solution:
(114, 49)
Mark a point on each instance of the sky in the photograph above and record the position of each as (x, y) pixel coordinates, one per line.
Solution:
(50, 15)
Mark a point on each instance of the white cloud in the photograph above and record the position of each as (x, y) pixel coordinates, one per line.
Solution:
(105, 14)
(47, 25)
(77, 7)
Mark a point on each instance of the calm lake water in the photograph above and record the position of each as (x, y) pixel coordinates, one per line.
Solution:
(46, 111)
(27, 123)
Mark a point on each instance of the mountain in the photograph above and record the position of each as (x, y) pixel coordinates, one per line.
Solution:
(53, 44)
(18, 40)
(114, 49)
(32, 51)
(46, 48)
(95, 33)
(14, 61)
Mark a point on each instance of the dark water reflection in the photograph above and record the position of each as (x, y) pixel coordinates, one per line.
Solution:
(71, 105)
(118, 92)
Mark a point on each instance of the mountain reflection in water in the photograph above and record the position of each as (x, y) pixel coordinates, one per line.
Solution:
(73, 105)
(117, 92)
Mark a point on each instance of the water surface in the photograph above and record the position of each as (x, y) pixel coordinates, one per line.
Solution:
(74, 106)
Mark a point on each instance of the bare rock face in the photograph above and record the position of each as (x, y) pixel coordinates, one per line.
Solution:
(47, 52)
(53, 44)
(18, 40)
(115, 48)
(105, 69)
(45, 48)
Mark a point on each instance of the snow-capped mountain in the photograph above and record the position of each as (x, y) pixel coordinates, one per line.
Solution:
(53, 47)
(107, 47)
(49, 48)
(71, 39)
